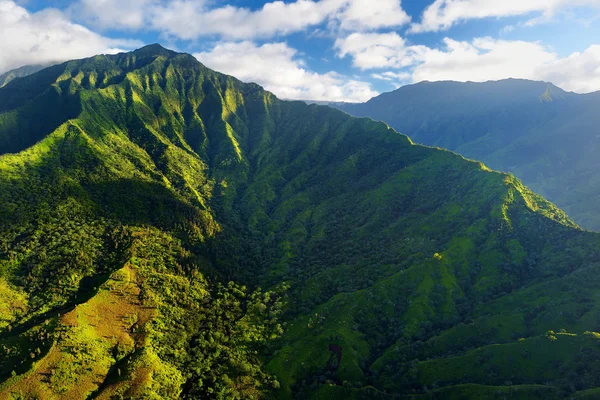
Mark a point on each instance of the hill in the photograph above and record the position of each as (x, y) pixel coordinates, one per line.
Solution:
(20, 72)
(145, 200)
(545, 136)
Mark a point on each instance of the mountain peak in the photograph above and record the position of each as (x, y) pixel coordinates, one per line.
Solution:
(552, 93)
(156, 50)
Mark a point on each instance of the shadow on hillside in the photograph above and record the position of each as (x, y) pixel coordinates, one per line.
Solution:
(133, 202)
(24, 126)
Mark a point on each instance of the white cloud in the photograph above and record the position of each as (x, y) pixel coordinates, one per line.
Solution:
(442, 14)
(489, 59)
(368, 14)
(392, 76)
(579, 72)
(188, 19)
(191, 19)
(276, 67)
(478, 60)
(119, 14)
(47, 36)
(378, 50)
(482, 59)
(507, 29)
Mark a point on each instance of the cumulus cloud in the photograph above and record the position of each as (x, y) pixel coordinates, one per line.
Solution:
(488, 59)
(191, 19)
(47, 36)
(188, 19)
(277, 67)
(579, 72)
(359, 15)
(118, 14)
(442, 14)
(480, 59)
(392, 76)
(378, 50)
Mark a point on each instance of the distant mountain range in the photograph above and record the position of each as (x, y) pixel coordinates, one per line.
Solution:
(167, 231)
(545, 136)
(20, 72)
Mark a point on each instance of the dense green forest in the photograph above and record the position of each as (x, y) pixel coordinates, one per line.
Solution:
(167, 231)
(545, 136)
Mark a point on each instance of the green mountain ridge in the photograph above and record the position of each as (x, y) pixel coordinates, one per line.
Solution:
(20, 72)
(145, 200)
(544, 135)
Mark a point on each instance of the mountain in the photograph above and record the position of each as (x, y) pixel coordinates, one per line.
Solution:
(20, 72)
(167, 231)
(547, 137)
(335, 104)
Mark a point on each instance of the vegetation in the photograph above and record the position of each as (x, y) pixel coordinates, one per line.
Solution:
(545, 136)
(21, 72)
(170, 232)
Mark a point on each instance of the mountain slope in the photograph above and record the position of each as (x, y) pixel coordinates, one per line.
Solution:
(545, 136)
(20, 72)
(139, 219)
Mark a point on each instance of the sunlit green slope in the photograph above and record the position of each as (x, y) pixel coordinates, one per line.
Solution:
(145, 199)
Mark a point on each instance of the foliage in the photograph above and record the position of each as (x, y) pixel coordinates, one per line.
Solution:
(140, 220)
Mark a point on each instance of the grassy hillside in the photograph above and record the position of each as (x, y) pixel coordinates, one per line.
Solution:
(167, 231)
(547, 137)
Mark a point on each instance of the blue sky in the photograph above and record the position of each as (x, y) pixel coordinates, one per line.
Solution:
(338, 50)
